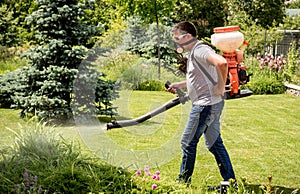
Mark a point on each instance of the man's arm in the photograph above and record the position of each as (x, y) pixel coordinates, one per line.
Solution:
(178, 85)
(221, 64)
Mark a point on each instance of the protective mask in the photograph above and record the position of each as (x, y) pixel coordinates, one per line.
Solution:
(179, 48)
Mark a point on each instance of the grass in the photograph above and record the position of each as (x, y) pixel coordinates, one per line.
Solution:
(11, 64)
(261, 134)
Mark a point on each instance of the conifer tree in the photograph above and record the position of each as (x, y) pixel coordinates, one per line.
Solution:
(44, 88)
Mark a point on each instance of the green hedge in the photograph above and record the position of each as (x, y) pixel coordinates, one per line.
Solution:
(266, 85)
(151, 85)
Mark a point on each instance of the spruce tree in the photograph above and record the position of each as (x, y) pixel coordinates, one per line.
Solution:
(44, 88)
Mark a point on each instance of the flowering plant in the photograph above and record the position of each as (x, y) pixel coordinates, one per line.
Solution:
(145, 180)
(276, 64)
(29, 185)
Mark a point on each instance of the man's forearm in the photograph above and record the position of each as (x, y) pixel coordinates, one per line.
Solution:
(180, 85)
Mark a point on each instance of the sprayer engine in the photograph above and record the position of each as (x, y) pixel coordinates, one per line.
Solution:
(237, 76)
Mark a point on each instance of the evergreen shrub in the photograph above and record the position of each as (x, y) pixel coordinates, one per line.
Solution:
(151, 85)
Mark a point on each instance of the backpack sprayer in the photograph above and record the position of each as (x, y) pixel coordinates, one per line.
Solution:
(228, 40)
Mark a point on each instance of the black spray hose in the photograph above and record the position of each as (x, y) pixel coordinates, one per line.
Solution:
(126, 123)
(182, 98)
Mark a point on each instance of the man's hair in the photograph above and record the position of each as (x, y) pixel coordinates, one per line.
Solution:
(186, 27)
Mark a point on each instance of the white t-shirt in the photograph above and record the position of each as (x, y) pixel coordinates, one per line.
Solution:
(200, 88)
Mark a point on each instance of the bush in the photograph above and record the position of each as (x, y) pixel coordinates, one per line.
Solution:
(263, 84)
(138, 73)
(151, 85)
(6, 91)
(116, 63)
(292, 71)
(267, 77)
(42, 159)
(44, 94)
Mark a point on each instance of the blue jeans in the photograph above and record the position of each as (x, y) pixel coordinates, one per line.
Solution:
(204, 120)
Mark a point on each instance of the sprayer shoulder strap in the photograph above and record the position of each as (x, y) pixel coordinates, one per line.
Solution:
(200, 66)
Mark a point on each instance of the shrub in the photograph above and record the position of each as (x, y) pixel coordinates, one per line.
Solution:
(151, 85)
(45, 94)
(115, 63)
(6, 89)
(137, 74)
(292, 71)
(266, 78)
(134, 72)
(92, 92)
(265, 84)
(57, 164)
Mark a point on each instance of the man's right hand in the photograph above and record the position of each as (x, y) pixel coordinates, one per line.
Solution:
(169, 87)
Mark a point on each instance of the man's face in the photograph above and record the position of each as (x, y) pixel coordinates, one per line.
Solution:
(179, 39)
(179, 36)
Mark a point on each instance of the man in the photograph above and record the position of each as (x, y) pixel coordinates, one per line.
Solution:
(205, 81)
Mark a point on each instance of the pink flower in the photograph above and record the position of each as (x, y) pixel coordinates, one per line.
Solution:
(149, 174)
(157, 172)
(138, 172)
(146, 169)
(154, 177)
(154, 186)
(157, 178)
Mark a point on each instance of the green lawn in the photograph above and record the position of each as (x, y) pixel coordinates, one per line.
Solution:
(261, 133)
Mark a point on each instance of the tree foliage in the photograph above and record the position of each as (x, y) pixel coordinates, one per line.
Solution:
(141, 38)
(294, 5)
(8, 32)
(148, 10)
(259, 37)
(206, 14)
(263, 12)
(7, 27)
(20, 9)
(44, 87)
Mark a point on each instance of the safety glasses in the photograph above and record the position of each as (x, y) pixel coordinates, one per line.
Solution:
(180, 37)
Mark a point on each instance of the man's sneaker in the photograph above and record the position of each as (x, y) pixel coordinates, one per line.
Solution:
(224, 187)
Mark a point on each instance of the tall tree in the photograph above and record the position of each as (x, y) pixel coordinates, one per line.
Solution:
(205, 14)
(20, 10)
(257, 35)
(44, 88)
(264, 12)
(148, 10)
